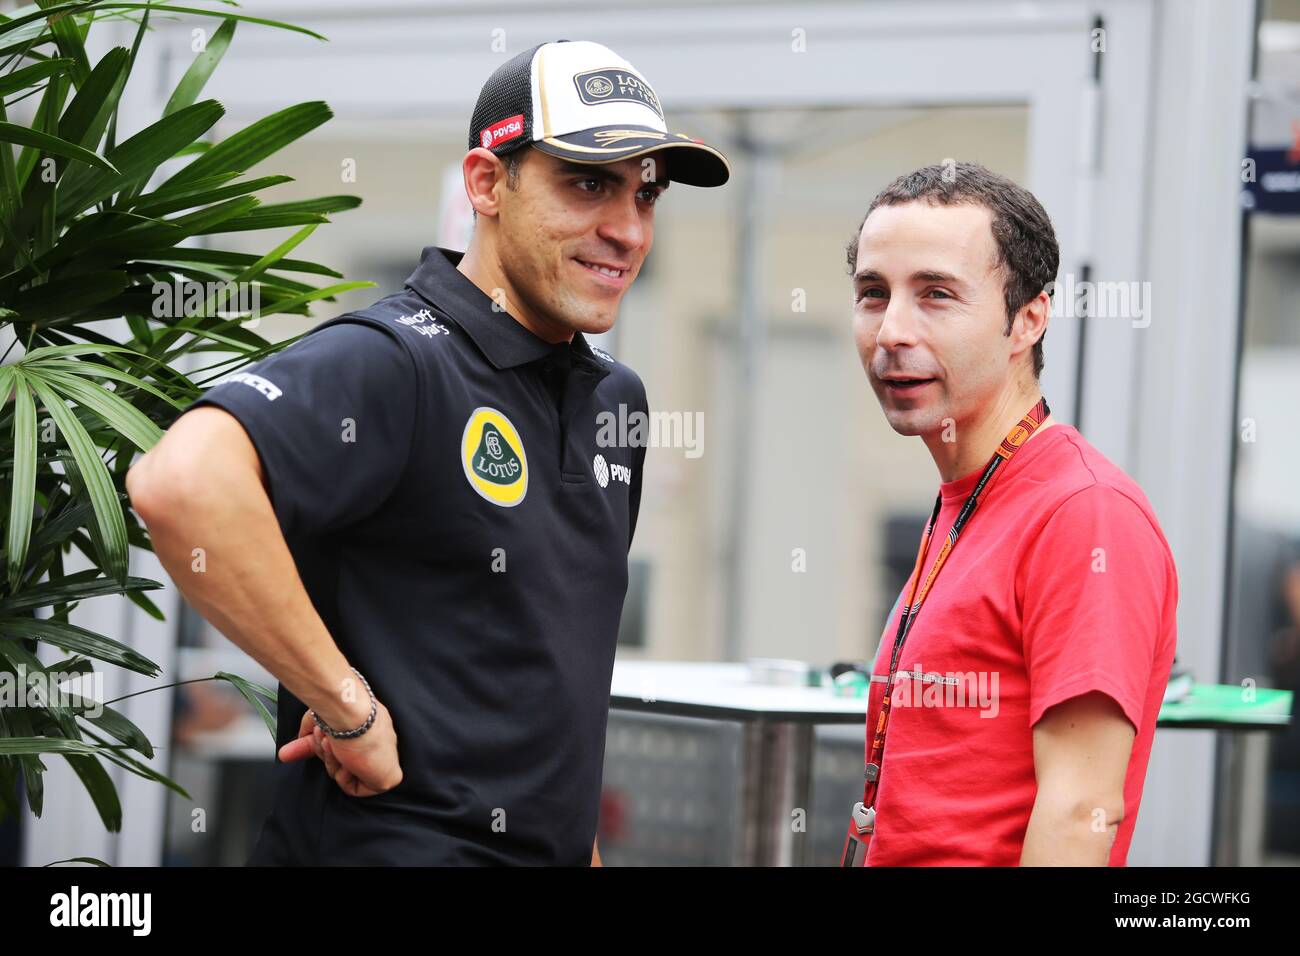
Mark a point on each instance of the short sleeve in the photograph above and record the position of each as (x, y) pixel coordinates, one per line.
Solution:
(332, 417)
(1094, 594)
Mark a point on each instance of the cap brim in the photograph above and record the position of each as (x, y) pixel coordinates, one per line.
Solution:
(693, 163)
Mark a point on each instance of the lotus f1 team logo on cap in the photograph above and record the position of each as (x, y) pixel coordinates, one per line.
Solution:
(493, 455)
(502, 132)
(614, 86)
(598, 87)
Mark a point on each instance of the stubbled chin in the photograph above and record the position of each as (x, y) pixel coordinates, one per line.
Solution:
(589, 321)
(912, 421)
(907, 428)
(594, 328)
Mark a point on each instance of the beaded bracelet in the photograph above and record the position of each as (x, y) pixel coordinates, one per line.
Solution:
(346, 734)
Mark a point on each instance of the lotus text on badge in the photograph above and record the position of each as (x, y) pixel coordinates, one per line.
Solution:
(493, 456)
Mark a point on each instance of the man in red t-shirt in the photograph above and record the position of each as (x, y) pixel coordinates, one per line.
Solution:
(1025, 697)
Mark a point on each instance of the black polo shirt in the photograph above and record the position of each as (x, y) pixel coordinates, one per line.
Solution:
(436, 471)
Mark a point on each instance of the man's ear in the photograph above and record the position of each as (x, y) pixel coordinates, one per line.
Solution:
(485, 177)
(1030, 324)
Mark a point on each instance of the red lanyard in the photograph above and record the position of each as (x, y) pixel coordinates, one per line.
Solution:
(1010, 445)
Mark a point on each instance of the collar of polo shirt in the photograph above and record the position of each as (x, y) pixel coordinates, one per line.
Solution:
(505, 342)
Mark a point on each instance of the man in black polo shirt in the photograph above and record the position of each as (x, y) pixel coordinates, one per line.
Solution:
(407, 516)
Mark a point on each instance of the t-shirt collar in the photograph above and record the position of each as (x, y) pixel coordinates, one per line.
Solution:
(504, 342)
(959, 488)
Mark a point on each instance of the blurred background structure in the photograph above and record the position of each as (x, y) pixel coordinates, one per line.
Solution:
(1131, 120)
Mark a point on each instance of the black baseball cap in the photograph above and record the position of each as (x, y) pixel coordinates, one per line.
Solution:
(583, 102)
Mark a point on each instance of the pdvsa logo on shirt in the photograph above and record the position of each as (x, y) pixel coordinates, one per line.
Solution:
(493, 455)
(606, 472)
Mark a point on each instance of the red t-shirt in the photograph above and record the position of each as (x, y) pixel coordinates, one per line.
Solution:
(1061, 583)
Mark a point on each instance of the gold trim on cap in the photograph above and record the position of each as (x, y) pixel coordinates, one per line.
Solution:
(541, 91)
(560, 144)
(607, 136)
(568, 151)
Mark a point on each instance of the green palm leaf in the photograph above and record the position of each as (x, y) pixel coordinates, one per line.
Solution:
(95, 370)
(114, 724)
(23, 136)
(100, 787)
(253, 693)
(61, 298)
(199, 11)
(22, 79)
(73, 587)
(43, 745)
(139, 155)
(68, 36)
(196, 77)
(23, 487)
(78, 640)
(108, 512)
(117, 755)
(256, 142)
(79, 859)
(123, 417)
(152, 205)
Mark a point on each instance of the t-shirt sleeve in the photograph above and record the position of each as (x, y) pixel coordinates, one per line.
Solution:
(1094, 592)
(332, 417)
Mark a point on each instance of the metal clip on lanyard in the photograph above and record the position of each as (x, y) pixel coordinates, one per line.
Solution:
(863, 822)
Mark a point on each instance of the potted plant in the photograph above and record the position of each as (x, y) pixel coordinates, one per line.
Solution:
(94, 235)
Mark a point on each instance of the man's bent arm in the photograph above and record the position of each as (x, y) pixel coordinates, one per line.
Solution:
(1081, 754)
(201, 487)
